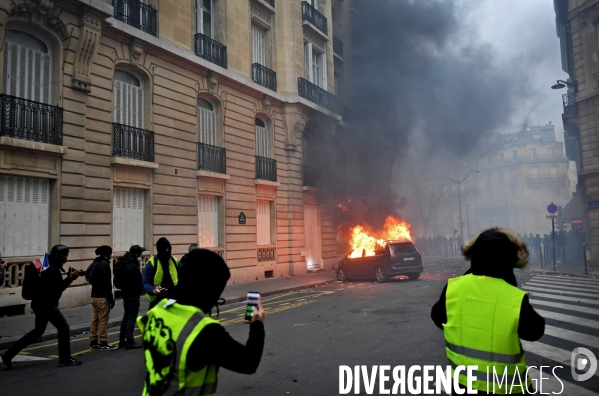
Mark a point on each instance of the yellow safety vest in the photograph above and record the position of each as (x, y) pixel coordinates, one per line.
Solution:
(168, 331)
(482, 330)
(173, 266)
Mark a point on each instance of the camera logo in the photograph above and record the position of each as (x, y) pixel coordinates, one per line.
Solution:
(583, 359)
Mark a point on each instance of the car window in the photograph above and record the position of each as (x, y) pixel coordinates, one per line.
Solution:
(406, 247)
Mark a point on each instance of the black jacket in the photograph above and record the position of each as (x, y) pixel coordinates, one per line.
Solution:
(131, 274)
(531, 326)
(50, 289)
(101, 280)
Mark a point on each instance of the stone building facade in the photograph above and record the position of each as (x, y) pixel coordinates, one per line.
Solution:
(203, 121)
(577, 23)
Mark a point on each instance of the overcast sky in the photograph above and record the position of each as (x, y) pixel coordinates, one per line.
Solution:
(522, 35)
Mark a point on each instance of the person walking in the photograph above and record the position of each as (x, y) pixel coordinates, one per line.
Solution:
(183, 346)
(100, 277)
(45, 307)
(484, 314)
(161, 274)
(127, 278)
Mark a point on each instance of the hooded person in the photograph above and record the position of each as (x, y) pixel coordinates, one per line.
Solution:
(99, 276)
(161, 273)
(127, 277)
(484, 314)
(183, 346)
(45, 306)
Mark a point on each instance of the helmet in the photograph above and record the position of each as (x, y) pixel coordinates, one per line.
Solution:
(59, 251)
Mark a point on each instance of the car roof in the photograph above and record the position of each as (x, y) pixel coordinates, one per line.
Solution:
(396, 241)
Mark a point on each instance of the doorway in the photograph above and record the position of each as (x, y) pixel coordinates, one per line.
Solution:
(312, 236)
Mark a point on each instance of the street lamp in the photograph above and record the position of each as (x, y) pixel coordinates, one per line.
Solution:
(562, 84)
(458, 182)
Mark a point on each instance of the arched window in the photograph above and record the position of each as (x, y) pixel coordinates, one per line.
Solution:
(206, 122)
(27, 67)
(262, 141)
(128, 99)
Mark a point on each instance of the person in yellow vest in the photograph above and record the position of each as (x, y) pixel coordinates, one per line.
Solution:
(183, 346)
(484, 314)
(161, 273)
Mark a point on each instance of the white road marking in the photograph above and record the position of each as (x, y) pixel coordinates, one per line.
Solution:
(569, 307)
(23, 358)
(574, 336)
(545, 283)
(594, 324)
(569, 279)
(575, 292)
(551, 385)
(566, 298)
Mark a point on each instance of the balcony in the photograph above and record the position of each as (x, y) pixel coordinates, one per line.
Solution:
(211, 50)
(212, 158)
(568, 100)
(311, 15)
(266, 169)
(338, 47)
(264, 76)
(134, 143)
(317, 95)
(136, 14)
(537, 181)
(270, 3)
(29, 120)
(311, 176)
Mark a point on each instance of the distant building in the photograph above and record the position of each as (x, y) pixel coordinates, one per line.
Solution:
(522, 174)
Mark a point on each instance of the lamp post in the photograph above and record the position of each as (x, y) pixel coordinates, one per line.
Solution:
(458, 182)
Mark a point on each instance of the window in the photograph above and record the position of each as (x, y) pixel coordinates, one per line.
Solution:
(128, 100)
(315, 66)
(501, 156)
(204, 9)
(25, 210)
(262, 142)
(532, 152)
(551, 152)
(553, 169)
(515, 153)
(206, 122)
(127, 218)
(27, 67)
(258, 45)
(263, 223)
(536, 137)
(208, 221)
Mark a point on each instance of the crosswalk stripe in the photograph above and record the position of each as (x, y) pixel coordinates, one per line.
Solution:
(593, 324)
(574, 336)
(550, 352)
(567, 290)
(568, 307)
(552, 284)
(569, 280)
(566, 298)
(551, 385)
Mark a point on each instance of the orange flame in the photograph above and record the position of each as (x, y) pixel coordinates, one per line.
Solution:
(364, 242)
(343, 205)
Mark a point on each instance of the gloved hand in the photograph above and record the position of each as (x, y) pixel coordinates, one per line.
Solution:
(111, 303)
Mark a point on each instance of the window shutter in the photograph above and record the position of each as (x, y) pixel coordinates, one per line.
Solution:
(199, 27)
(116, 220)
(263, 223)
(323, 79)
(261, 142)
(118, 118)
(18, 216)
(308, 61)
(258, 45)
(139, 92)
(207, 221)
(206, 126)
(128, 218)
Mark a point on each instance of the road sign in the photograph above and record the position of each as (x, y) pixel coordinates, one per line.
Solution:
(461, 224)
(551, 216)
(552, 208)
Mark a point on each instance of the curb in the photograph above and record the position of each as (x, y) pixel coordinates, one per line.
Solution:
(564, 273)
(112, 323)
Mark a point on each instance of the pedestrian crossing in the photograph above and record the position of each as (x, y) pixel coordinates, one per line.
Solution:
(570, 307)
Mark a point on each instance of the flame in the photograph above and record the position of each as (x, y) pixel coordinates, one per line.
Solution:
(365, 242)
(343, 205)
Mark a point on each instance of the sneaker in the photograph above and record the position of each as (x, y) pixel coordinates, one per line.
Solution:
(94, 344)
(70, 363)
(132, 345)
(104, 346)
(7, 361)
(122, 344)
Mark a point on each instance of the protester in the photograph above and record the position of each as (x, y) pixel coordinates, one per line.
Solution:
(100, 277)
(184, 258)
(45, 307)
(161, 274)
(129, 281)
(188, 361)
(484, 314)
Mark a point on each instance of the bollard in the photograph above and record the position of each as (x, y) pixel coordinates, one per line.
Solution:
(584, 255)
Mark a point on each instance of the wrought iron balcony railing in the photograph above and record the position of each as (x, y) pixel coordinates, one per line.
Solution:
(211, 50)
(264, 76)
(212, 158)
(266, 169)
(29, 120)
(546, 180)
(338, 46)
(318, 95)
(311, 176)
(136, 14)
(135, 143)
(311, 14)
(568, 100)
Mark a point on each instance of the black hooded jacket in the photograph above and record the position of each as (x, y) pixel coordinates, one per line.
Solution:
(51, 287)
(101, 280)
(131, 274)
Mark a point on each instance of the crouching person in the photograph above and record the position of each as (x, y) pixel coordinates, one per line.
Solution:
(184, 347)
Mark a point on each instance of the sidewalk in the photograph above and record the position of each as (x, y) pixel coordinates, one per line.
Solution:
(14, 327)
(566, 268)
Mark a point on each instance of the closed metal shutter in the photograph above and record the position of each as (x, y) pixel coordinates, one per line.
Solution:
(258, 45)
(128, 104)
(261, 141)
(206, 126)
(263, 223)
(207, 221)
(27, 73)
(25, 210)
(127, 218)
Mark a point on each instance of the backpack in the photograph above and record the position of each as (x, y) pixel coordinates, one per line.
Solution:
(89, 273)
(117, 272)
(31, 283)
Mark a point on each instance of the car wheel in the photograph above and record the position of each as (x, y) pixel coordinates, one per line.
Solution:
(414, 276)
(380, 275)
(341, 275)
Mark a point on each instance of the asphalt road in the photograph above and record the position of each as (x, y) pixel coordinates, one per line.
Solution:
(309, 334)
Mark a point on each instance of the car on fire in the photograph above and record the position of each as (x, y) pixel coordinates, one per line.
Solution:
(394, 259)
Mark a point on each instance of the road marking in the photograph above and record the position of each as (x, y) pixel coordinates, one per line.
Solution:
(562, 290)
(581, 338)
(569, 307)
(552, 284)
(21, 358)
(550, 352)
(569, 280)
(551, 385)
(566, 298)
(594, 324)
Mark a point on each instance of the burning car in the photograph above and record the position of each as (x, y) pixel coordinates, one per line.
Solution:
(391, 259)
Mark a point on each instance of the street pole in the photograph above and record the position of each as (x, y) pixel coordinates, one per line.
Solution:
(460, 205)
(553, 238)
(467, 220)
